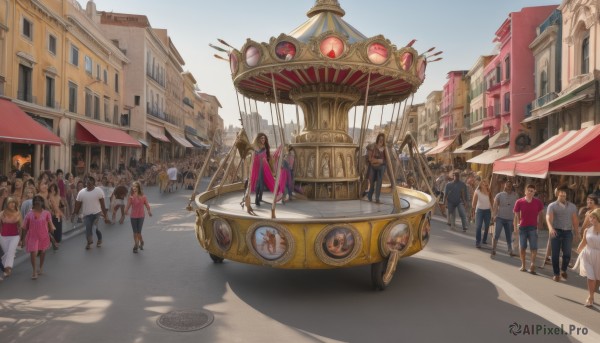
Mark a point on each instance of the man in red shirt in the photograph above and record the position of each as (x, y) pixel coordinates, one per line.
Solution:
(528, 219)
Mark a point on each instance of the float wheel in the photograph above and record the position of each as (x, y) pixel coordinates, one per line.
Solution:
(215, 258)
(383, 272)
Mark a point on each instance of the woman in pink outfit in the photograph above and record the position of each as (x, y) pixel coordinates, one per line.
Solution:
(10, 227)
(136, 201)
(262, 176)
(38, 225)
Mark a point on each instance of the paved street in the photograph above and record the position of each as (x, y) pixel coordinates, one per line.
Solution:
(449, 291)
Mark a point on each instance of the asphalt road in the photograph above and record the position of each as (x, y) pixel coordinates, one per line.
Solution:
(448, 292)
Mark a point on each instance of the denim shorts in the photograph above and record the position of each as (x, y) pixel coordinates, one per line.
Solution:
(528, 233)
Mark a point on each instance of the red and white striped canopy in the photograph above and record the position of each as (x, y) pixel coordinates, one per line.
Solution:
(568, 153)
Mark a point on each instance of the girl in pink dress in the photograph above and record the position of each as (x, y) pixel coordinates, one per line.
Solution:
(136, 201)
(37, 225)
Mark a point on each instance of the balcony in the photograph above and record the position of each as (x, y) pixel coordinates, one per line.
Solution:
(158, 80)
(543, 100)
(163, 116)
(528, 108)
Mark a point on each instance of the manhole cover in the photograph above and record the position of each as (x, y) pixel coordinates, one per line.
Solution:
(185, 320)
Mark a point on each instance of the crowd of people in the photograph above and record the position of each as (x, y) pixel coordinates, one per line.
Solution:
(525, 214)
(34, 211)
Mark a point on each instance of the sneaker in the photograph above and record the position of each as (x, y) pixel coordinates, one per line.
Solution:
(564, 275)
(88, 246)
(556, 278)
(99, 244)
(142, 245)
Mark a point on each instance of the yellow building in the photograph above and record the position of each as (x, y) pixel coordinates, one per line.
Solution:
(62, 72)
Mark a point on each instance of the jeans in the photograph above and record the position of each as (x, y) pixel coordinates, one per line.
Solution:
(528, 233)
(58, 229)
(563, 241)
(507, 224)
(90, 220)
(376, 180)
(461, 212)
(482, 217)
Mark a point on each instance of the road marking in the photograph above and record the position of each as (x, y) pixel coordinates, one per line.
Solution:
(521, 298)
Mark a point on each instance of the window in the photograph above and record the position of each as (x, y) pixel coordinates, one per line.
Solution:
(27, 29)
(507, 68)
(585, 55)
(116, 82)
(88, 103)
(96, 107)
(74, 58)
(116, 113)
(506, 102)
(105, 77)
(72, 97)
(98, 71)
(498, 74)
(543, 83)
(50, 92)
(107, 110)
(25, 86)
(52, 44)
(88, 65)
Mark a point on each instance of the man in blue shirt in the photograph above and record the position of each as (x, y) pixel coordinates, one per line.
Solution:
(455, 197)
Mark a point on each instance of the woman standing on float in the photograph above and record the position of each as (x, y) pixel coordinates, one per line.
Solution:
(262, 176)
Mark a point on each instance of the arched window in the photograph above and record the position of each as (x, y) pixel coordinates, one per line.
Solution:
(585, 54)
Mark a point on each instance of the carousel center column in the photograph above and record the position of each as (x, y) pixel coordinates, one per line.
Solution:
(326, 167)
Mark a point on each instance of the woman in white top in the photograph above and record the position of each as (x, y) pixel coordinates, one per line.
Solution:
(482, 209)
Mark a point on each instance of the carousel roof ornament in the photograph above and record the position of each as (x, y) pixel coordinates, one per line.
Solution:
(325, 50)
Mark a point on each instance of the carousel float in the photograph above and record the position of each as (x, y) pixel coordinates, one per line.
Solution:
(325, 67)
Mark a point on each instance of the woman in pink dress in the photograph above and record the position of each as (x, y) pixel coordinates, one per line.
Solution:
(136, 201)
(37, 225)
(588, 261)
(262, 176)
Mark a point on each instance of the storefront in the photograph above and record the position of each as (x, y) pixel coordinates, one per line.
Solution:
(182, 146)
(24, 143)
(159, 144)
(101, 148)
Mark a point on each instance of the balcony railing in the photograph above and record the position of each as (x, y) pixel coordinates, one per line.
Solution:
(543, 100)
(160, 81)
(163, 116)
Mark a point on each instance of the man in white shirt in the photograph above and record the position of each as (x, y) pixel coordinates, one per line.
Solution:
(172, 173)
(91, 201)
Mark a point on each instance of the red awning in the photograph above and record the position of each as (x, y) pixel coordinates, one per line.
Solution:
(92, 133)
(441, 146)
(157, 133)
(18, 127)
(568, 153)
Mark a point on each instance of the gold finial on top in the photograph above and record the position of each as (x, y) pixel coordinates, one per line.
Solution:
(326, 6)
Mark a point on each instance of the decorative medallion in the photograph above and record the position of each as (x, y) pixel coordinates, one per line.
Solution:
(338, 244)
(332, 47)
(222, 233)
(270, 242)
(425, 229)
(395, 237)
(252, 56)
(377, 53)
(285, 50)
(233, 63)
(406, 61)
(421, 69)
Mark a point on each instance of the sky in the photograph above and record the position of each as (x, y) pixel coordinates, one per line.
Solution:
(462, 29)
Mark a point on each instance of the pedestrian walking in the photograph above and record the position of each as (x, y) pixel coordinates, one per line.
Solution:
(10, 228)
(588, 261)
(91, 202)
(482, 211)
(119, 194)
(563, 226)
(37, 225)
(455, 198)
(502, 212)
(137, 201)
(528, 213)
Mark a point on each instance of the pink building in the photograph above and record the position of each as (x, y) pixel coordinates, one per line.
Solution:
(454, 103)
(509, 80)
